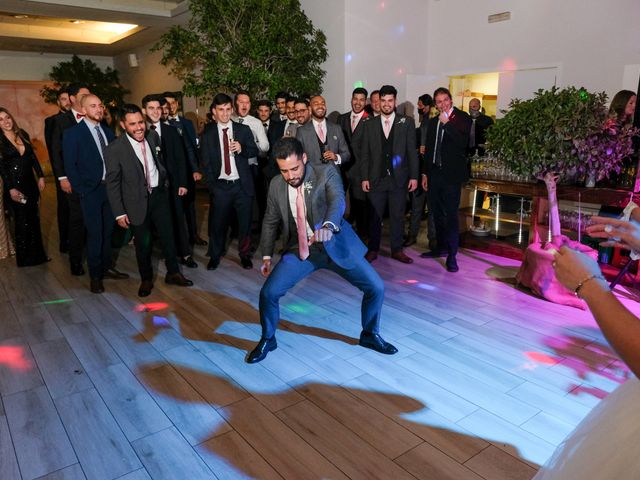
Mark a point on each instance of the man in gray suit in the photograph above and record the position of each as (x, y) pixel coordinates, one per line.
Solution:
(308, 203)
(390, 168)
(137, 187)
(323, 141)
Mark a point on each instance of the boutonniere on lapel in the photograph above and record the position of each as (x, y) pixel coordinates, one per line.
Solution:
(401, 120)
(335, 137)
(157, 150)
(307, 187)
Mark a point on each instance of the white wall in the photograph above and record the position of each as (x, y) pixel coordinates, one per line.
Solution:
(590, 41)
(35, 66)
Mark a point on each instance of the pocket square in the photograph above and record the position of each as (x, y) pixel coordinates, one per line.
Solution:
(335, 137)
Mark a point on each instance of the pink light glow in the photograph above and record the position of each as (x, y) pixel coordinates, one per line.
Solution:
(410, 281)
(13, 357)
(508, 64)
(542, 358)
(151, 307)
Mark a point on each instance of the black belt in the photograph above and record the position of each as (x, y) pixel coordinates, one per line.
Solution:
(228, 182)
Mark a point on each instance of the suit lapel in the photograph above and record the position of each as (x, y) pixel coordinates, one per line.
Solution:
(395, 128)
(309, 195)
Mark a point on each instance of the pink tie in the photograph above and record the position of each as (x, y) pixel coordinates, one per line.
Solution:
(387, 128)
(354, 122)
(320, 133)
(147, 175)
(303, 242)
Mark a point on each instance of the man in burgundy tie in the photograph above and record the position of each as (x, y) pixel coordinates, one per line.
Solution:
(307, 202)
(226, 148)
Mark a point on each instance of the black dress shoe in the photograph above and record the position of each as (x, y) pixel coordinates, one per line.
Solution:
(96, 285)
(433, 254)
(114, 274)
(371, 256)
(375, 342)
(189, 262)
(401, 257)
(77, 269)
(246, 263)
(200, 241)
(265, 345)
(213, 264)
(452, 265)
(177, 279)
(409, 241)
(145, 288)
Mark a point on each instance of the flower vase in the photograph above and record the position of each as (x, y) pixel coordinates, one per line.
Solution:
(591, 180)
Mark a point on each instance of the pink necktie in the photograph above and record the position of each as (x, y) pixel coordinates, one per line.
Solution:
(320, 133)
(303, 242)
(387, 128)
(354, 122)
(147, 175)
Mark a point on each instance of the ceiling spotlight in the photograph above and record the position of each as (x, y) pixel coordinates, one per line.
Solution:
(76, 22)
(21, 16)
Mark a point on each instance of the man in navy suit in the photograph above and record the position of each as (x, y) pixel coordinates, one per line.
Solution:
(226, 149)
(83, 146)
(307, 202)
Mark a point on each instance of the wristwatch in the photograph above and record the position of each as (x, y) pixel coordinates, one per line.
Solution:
(331, 227)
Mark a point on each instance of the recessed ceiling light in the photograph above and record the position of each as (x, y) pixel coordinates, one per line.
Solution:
(76, 22)
(21, 16)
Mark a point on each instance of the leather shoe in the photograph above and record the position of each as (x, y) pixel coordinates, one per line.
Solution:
(188, 261)
(452, 265)
(410, 241)
(246, 263)
(200, 241)
(96, 285)
(145, 288)
(213, 264)
(375, 342)
(433, 254)
(177, 279)
(114, 274)
(371, 256)
(401, 257)
(265, 345)
(77, 269)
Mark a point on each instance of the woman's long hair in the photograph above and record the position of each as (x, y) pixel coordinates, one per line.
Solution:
(619, 105)
(17, 131)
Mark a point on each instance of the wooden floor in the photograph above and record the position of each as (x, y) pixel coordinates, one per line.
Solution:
(488, 379)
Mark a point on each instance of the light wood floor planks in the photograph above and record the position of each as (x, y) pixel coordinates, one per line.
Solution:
(488, 380)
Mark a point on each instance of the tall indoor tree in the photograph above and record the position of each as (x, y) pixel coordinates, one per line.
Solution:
(262, 46)
(104, 83)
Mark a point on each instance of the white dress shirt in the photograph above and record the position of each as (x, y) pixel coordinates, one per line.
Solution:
(259, 135)
(234, 175)
(154, 175)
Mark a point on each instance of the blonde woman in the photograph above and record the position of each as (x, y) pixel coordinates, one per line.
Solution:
(18, 163)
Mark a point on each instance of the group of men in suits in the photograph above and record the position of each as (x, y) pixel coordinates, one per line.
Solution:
(101, 184)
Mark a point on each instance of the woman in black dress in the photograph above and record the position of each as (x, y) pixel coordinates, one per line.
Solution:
(17, 164)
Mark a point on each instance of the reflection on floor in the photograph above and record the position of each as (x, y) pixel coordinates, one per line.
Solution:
(487, 381)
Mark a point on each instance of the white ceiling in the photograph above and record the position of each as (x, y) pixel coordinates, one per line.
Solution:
(49, 27)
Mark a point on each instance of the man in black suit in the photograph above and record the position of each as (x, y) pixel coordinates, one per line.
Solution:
(478, 132)
(62, 100)
(226, 148)
(390, 168)
(352, 124)
(444, 170)
(137, 189)
(190, 139)
(70, 220)
(84, 145)
(280, 113)
(172, 155)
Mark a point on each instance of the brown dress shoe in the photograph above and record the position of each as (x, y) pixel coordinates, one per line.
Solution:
(145, 288)
(177, 279)
(401, 257)
(371, 256)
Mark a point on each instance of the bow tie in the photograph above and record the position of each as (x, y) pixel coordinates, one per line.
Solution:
(79, 116)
